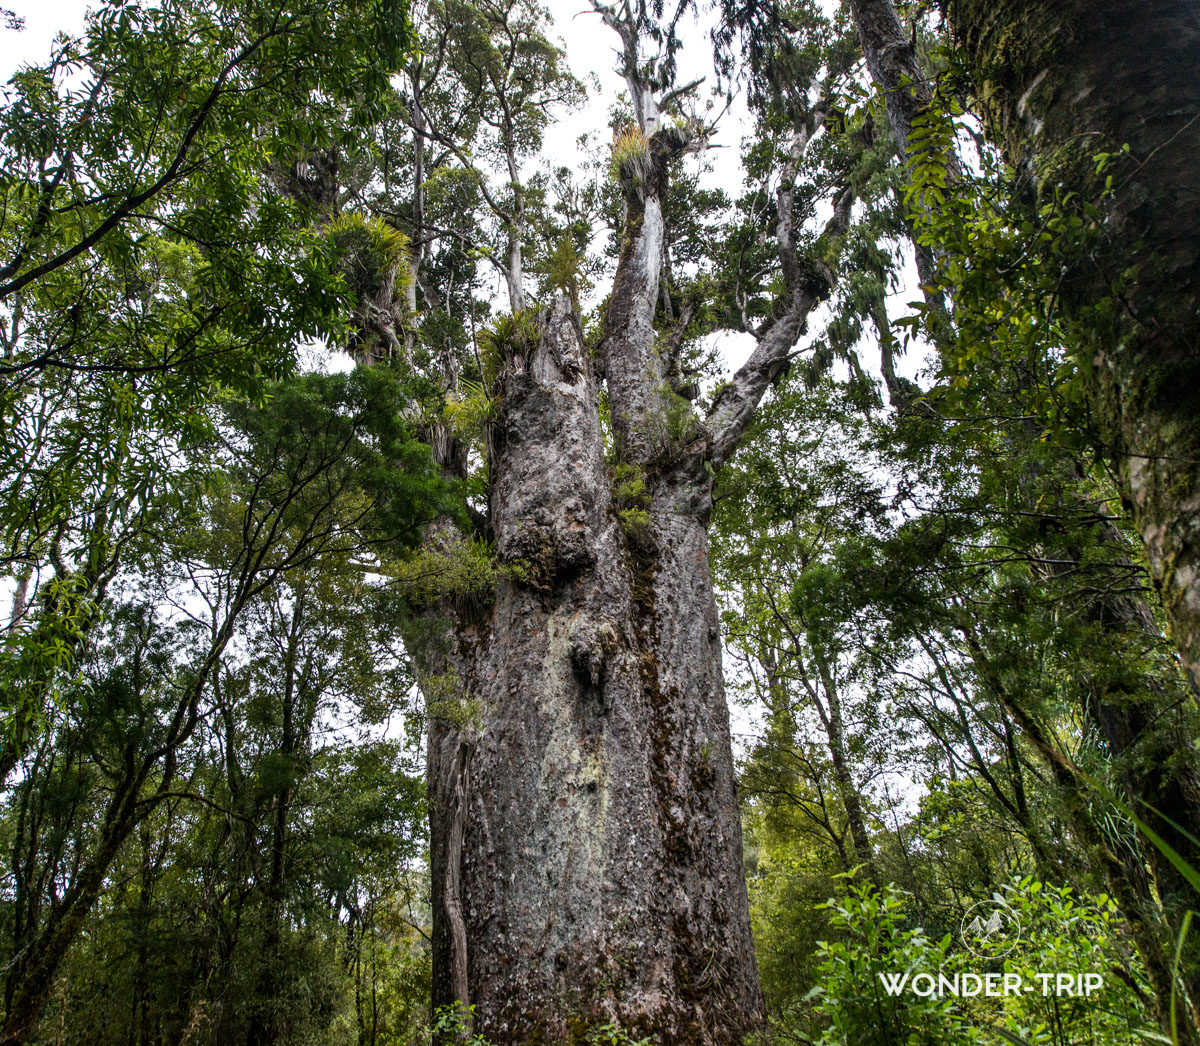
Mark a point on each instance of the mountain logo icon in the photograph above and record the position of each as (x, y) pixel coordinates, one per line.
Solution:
(990, 929)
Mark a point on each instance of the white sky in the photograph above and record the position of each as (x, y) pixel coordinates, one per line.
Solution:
(42, 20)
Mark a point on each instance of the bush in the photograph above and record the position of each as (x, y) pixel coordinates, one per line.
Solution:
(1061, 932)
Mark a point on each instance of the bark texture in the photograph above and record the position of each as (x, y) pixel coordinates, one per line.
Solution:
(1059, 83)
(587, 861)
(892, 63)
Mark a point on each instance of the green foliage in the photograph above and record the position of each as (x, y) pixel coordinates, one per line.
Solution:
(630, 163)
(275, 516)
(465, 572)
(275, 878)
(679, 421)
(455, 1022)
(563, 270)
(670, 425)
(447, 699)
(512, 335)
(1060, 933)
(471, 411)
(207, 96)
(369, 252)
(611, 1035)
(790, 875)
(632, 498)
(1006, 264)
(341, 440)
(148, 277)
(853, 1000)
(927, 599)
(230, 564)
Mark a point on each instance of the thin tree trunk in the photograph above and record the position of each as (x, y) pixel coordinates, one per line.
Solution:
(848, 791)
(20, 601)
(514, 271)
(892, 63)
(418, 202)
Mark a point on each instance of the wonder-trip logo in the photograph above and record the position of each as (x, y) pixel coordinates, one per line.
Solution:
(990, 929)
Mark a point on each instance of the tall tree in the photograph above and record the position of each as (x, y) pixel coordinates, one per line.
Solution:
(141, 282)
(586, 844)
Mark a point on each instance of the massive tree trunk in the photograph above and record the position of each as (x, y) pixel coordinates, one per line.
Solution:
(587, 843)
(1060, 82)
(587, 860)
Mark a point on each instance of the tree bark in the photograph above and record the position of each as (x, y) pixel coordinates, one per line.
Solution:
(1059, 83)
(892, 63)
(587, 854)
(586, 840)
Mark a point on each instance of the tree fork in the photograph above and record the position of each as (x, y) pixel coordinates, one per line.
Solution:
(600, 876)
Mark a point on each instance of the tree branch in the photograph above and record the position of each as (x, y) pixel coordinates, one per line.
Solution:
(808, 283)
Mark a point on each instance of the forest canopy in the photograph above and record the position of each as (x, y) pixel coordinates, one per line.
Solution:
(498, 553)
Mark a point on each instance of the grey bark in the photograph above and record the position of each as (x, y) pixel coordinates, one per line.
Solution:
(601, 875)
(892, 63)
(588, 772)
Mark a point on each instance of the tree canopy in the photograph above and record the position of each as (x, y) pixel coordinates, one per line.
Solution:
(370, 469)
